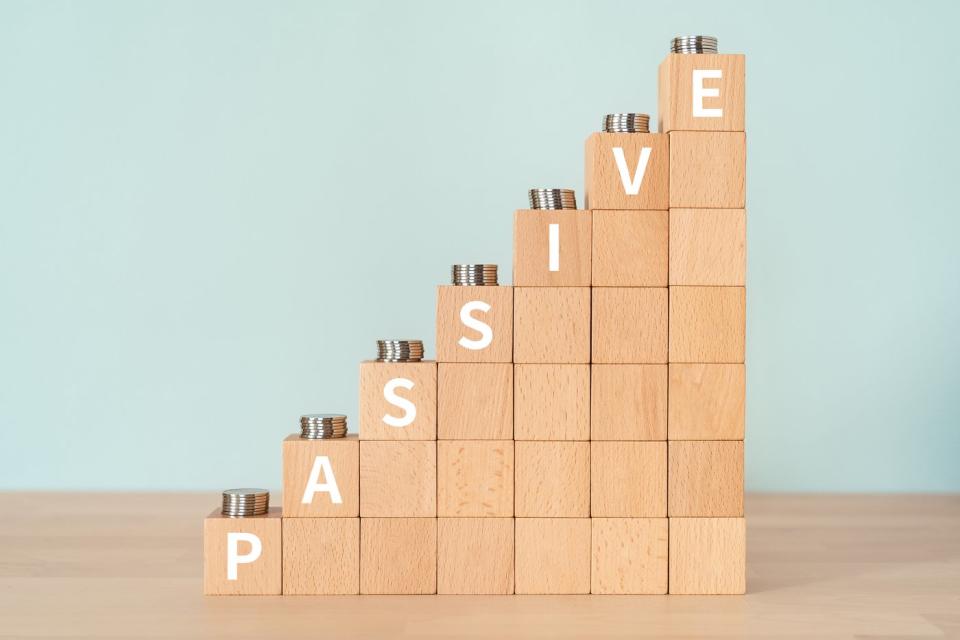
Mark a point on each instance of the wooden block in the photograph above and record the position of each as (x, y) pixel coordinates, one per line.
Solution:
(708, 556)
(629, 556)
(398, 555)
(564, 264)
(475, 478)
(551, 325)
(321, 556)
(630, 248)
(475, 555)
(628, 479)
(553, 555)
(701, 92)
(705, 478)
(398, 400)
(628, 402)
(552, 479)
(708, 170)
(398, 479)
(552, 401)
(321, 477)
(474, 324)
(707, 247)
(707, 324)
(627, 171)
(474, 401)
(707, 401)
(242, 556)
(630, 325)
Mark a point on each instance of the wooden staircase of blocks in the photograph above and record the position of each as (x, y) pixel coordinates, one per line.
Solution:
(589, 436)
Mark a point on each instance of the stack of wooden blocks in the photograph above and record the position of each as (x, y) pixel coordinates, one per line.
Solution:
(581, 431)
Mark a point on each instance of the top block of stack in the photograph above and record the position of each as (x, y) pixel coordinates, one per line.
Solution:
(703, 92)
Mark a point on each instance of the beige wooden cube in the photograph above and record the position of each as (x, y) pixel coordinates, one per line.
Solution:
(706, 401)
(708, 170)
(628, 479)
(398, 400)
(321, 477)
(630, 248)
(321, 556)
(705, 479)
(474, 324)
(629, 556)
(708, 247)
(552, 555)
(552, 479)
(398, 555)
(626, 171)
(398, 479)
(707, 324)
(628, 402)
(552, 401)
(702, 92)
(630, 325)
(474, 401)
(475, 555)
(475, 478)
(708, 556)
(551, 248)
(551, 325)
(242, 556)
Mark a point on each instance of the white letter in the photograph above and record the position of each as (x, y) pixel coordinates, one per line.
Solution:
(631, 185)
(486, 333)
(322, 463)
(700, 92)
(554, 258)
(409, 410)
(233, 558)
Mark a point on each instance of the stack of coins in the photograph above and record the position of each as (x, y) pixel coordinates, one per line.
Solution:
(694, 44)
(242, 503)
(399, 350)
(474, 275)
(552, 199)
(626, 123)
(323, 426)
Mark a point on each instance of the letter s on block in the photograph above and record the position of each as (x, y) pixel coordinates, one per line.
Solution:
(234, 558)
(409, 409)
(481, 327)
(700, 92)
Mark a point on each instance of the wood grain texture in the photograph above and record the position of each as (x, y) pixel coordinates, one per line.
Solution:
(628, 402)
(552, 401)
(531, 248)
(708, 556)
(475, 478)
(398, 479)
(551, 325)
(398, 555)
(552, 479)
(628, 479)
(450, 328)
(629, 556)
(552, 555)
(707, 401)
(603, 182)
(299, 456)
(707, 324)
(630, 248)
(708, 170)
(630, 325)
(321, 556)
(708, 247)
(705, 478)
(474, 401)
(675, 84)
(475, 555)
(263, 576)
(373, 405)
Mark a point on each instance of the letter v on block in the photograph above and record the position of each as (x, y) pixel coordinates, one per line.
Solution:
(631, 183)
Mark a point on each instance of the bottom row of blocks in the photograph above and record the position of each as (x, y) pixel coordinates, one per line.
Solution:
(312, 556)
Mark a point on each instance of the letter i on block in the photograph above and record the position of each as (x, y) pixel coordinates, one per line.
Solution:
(242, 546)
(551, 241)
(398, 393)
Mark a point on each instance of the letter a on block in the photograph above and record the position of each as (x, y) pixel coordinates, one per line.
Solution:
(314, 486)
(700, 92)
(233, 556)
(631, 185)
(481, 327)
(390, 395)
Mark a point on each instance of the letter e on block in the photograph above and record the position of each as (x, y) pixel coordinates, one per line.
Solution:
(703, 92)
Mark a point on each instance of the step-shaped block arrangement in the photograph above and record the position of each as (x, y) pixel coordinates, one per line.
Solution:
(581, 431)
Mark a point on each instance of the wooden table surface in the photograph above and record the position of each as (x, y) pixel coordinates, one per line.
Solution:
(128, 566)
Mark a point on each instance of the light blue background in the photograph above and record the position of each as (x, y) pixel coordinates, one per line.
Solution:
(209, 211)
